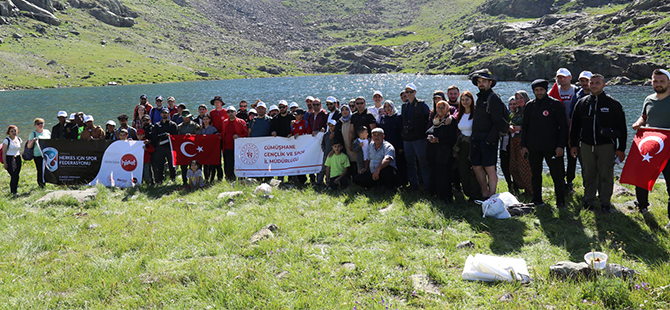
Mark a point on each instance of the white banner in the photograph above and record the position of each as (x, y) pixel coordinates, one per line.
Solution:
(122, 164)
(278, 156)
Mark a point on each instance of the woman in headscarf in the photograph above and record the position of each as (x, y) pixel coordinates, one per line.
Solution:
(392, 125)
(345, 127)
(439, 151)
(519, 166)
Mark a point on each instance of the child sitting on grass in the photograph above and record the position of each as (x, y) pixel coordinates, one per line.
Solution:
(336, 167)
(194, 175)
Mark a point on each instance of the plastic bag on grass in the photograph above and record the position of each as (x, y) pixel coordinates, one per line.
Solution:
(494, 268)
(263, 188)
(496, 206)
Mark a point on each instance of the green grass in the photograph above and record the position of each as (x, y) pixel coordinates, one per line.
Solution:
(158, 247)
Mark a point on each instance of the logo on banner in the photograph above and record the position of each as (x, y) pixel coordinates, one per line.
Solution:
(197, 148)
(249, 154)
(128, 162)
(51, 156)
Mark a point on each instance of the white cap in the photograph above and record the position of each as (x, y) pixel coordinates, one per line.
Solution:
(378, 130)
(283, 102)
(563, 72)
(231, 108)
(293, 104)
(274, 107)
(88, 118)
(62, 114)
(377, 92)
(72, 116)
(309, 98)
(585, 74)
(111, 122)
(253, 111)
(261, 104)
(665, 72)
(332, 122)
(331, 99)
(411, 86)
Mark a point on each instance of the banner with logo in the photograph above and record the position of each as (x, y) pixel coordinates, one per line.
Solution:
(206, 149)
(69, 162)
(278, 156)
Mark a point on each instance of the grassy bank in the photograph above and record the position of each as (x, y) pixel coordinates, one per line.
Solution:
(162, 248)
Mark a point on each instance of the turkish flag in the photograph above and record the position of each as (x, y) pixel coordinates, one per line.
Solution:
(206, 149)
(647, 158)
(554, 93)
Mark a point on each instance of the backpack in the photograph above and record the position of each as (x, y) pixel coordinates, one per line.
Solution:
(505, 110)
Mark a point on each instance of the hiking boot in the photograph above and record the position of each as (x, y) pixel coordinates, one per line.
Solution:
(643, 209)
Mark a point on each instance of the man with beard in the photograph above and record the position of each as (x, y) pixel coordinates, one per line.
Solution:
(58, 131)
(452, 96)
(160, 138)
(333, 109)
(123, 124)
(598, 132)
(655, 113)
(242, 112)
(281, 124)
(260, 126)
(544, 132)
(584, 78)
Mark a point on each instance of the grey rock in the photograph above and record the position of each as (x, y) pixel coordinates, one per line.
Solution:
(275, 183)
(619, 271)
(39, 10)
(2, 40)
(421, 282)
(229, 195)
(506, 297)
(465, 244)
(620, 190)
(386, 209)
(17, 36)
(79, 195)
(202, 73)
(52, 63)
(266, 232)
(618, 80)
(93, 226)
(349, 266)
(74, 32)
(566, 269)
(111, 18)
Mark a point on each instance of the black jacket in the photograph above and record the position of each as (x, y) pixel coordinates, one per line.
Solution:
(598, 120)
(160, 130)
(545, 125)
(491, 117)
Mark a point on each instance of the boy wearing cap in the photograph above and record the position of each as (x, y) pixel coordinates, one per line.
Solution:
(171, 106)
(377, 110)
(337, 165)
(58, 131)
(110, 129)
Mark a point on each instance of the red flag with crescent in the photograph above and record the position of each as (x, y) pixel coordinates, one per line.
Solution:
(647, 158)
(554, 93)
(206, 149)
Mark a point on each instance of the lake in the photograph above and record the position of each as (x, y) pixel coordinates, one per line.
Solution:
(104, 103)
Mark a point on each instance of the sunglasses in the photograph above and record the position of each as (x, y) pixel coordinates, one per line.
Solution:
(410, 91)
(360, 102)
(231, 111)
(243, 106)
(39, 123)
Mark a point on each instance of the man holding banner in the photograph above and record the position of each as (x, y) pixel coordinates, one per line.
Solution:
(648, 156)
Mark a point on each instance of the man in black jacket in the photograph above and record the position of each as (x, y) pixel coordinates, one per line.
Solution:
(599, 123)
(544, 133)
(160, 138)
(489, 121)
(414, 115)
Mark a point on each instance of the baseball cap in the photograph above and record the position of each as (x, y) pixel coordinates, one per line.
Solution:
(378, 130)
(62, 114)
(141, 132)
(170, 98)
(331, 99)
(411, 86)
(261, 104)
(72, 116)
(299, 111)
(283, 102)
(253, 111)
(143, 96)
(111, 122)
(274, 107)
(563, 72)
(159, 98)
(309, 98)
(377, 92)
(165, 110)
(88, 118)
(293, 104)
(332, 122)
(585, 74)
(231, 108)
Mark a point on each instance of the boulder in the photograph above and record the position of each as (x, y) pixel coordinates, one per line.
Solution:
(266, 232)
(642, 70)
(202, 73)
(80, 195)
(566, 269)
(17, 36)
(39, 10)
(619, 271)
(518, 8)
(111, 18)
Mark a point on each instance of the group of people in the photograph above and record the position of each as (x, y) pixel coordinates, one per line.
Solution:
(450, 144)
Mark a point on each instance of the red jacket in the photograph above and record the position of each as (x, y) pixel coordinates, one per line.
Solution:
(240, 129)
(218, 117)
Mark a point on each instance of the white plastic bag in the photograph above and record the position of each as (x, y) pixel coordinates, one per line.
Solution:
(263, 188)
(494, 268)
(496, 206)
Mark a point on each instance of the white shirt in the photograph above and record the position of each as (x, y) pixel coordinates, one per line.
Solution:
(465, 125)
(376, 112)
(364, 147)
(13, 146)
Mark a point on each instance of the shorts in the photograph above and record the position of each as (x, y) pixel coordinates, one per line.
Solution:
(482, 154)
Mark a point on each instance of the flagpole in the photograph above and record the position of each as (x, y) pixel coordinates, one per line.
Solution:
(655, 128)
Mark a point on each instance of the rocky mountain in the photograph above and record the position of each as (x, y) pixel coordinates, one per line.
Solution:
(53, 43)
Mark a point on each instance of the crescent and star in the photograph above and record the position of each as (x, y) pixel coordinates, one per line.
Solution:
(183, 149)
(647, 157)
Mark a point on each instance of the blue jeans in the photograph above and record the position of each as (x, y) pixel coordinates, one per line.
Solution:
(416, 151)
